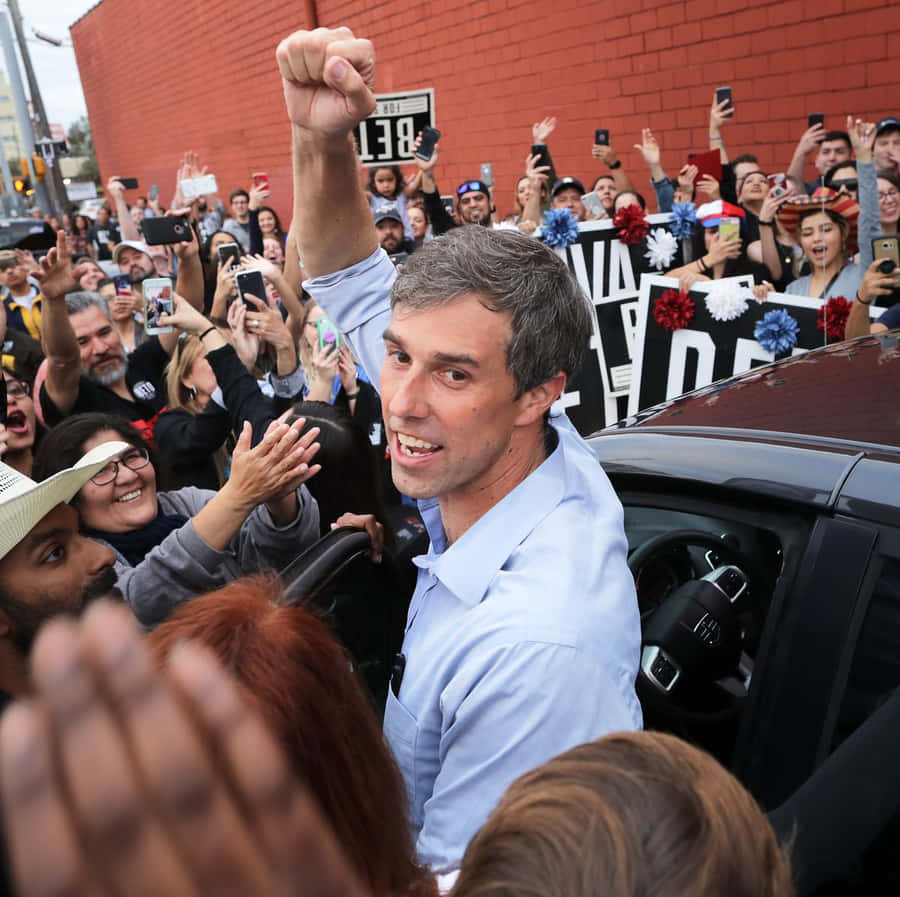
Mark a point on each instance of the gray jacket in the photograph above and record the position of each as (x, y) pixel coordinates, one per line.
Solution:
(183, 566)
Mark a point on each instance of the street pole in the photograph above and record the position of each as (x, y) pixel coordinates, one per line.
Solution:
(18, 94)
(53, 176)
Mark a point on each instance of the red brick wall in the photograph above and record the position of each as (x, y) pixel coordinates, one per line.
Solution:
(202, 76)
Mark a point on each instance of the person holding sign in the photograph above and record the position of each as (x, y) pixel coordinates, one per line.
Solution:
(501, 624)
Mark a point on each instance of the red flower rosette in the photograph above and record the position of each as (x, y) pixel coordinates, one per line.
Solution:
(632, 224)
(673, 310)
(835, 313)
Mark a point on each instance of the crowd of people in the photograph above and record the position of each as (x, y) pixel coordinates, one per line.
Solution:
(206, 732)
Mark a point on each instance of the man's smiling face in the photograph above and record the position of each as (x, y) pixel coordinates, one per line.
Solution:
(448, 399)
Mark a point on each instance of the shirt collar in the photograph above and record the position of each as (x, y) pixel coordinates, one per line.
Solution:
(469, 565)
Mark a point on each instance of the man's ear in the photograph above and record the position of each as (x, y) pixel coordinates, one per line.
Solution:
(535, 403)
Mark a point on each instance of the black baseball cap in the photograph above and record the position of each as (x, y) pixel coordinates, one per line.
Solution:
(562, 183)
(384, 212)
(887, 124)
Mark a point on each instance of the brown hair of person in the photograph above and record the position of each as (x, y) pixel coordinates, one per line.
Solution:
(293, 672)
(631, 815)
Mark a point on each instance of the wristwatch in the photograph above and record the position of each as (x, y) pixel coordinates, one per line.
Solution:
(614, 165)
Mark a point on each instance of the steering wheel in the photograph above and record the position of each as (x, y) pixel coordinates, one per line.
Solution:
(683, 537)
(693, 638)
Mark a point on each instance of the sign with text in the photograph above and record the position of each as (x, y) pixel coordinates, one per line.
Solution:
(609, 272)
(669, 363)
(387, 136)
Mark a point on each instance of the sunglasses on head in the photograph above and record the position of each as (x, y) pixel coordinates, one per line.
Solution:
(469, 187)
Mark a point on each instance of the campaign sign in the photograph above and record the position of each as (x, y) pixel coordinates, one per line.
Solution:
(387, 136)
(609, 272)
(668, 363)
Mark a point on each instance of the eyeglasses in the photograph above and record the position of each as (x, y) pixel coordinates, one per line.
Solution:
(849, 184)
(17, 389)
(890, 194)
(133, 459)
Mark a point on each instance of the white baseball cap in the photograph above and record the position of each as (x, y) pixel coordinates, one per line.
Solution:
(24, 503)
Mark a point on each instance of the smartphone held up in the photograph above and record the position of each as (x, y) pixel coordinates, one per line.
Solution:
(723, 94)
(167, 229)
(157, 293)
(250, 283)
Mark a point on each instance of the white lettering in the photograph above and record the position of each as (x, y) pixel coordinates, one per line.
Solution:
(682, 340)
(621, 274)
(385, 139)
(405, 137)
(364, 154)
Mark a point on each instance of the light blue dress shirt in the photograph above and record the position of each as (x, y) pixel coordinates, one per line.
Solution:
(523, 636)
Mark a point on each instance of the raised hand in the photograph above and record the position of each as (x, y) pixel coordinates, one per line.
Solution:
(260, 263)
(771, 204)
(184, 316)
(649, 148)
(810, 139)
(267, 323)
(426, 166)
(710, 186)
(536, 174)
(117, 771)
(25, 257)
(56, 276)
(719, 115)
(347, 369)
(541, 130)
(115, 188)
(721, 250)
(686, 177)
(281, 461)
(246, 344)
(258, 196)
(862, 136)
(605, 153)
(325, 362)
(328, 77)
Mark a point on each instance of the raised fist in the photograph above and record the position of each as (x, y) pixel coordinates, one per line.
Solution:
(328, 77)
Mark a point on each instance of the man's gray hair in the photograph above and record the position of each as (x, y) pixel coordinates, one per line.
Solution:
(81, 300)
(551, 323)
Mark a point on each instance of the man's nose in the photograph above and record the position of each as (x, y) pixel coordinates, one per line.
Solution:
(97, 555)
(408, 397)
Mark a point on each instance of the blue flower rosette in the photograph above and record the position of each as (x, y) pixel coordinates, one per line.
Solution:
(560, 228)
(777, 331)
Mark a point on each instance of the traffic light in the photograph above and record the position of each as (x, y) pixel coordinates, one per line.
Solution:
(23, 186)
(40, 169)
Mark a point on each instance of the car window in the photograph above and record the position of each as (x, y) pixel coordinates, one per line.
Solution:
(875, 668)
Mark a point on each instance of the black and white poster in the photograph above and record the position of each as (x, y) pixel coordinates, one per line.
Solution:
(668, 363)
(609, 272)
(387, 136)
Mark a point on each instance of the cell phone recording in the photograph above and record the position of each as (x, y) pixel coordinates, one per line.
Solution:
(157, 293)
(430, 137)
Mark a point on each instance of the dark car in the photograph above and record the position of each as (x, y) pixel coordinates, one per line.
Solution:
(26, 233)
(763, 520)
(784, 480)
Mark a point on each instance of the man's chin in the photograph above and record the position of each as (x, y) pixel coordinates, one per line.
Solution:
(108, 375)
